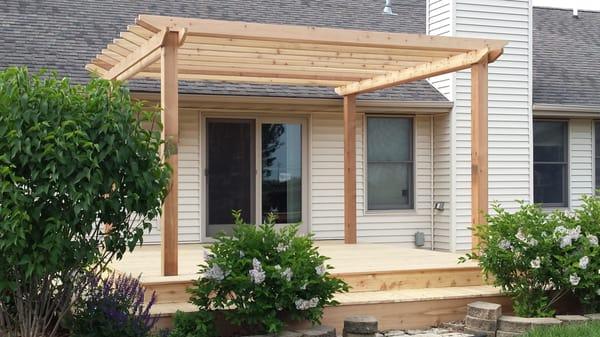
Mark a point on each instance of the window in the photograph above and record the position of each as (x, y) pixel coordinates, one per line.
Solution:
(597, 155)
(389, 163)
(550, 169)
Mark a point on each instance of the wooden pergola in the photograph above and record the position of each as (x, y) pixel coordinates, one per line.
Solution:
(350, 61)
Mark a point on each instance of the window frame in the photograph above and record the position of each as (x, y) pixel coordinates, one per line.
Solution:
(412, 148)
(565, 163)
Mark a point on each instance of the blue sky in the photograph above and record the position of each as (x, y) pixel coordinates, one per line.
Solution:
(580, 4)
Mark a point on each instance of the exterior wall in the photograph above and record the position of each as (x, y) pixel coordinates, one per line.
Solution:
(442, 177)
(581, 160)
(510, 137)
(189, 180)
(325, 177)
(327, 185)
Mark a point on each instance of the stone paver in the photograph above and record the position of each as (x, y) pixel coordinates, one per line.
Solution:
(484, 310)
(433, 332)
(318, 331)
(360, 325)
(572, 319)
(480, 333)
(593, 317)
(481, 324)
(507, 334)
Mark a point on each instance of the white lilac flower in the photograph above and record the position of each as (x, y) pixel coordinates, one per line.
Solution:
(521, 236)
(281, 248)
(536, 263)
(593, 239)
(208, 256)
(242, 254)
(215, 273)
(561, 230)
(583, 262)
(574, 279)
(505, 244)
(257, 274)
(287, 274)
(565, 241)
(533, 242)
(306, 304)
(277, 267)
(575, 233)
(321, 270)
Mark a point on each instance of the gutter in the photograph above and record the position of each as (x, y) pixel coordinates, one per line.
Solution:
(566, 110)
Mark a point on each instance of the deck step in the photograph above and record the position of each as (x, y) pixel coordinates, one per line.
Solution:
(171, 289)
(395, 309)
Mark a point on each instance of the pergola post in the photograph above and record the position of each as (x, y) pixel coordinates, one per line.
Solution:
(479, 145)
(350, 169)
(169, 99)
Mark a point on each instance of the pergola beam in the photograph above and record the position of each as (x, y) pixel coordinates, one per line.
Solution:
(479, 146)
(169, 98)
(419, 72)
(133, 61)
(311, 34)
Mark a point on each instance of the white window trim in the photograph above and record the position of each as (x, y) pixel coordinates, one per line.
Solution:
(391, 212)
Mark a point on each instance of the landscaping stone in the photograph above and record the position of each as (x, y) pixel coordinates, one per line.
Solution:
(546, 321)
(593, 317)
(481, 324)
(480, 333)
(350, 334)
(360, 325)
(289, 334)
(572, 319)
(318, 331)
(501, 333)
(514, 324)
(484, 310)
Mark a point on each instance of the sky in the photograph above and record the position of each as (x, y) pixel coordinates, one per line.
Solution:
(580, 4)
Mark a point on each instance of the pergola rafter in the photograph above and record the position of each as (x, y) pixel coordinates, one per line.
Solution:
(350, 61)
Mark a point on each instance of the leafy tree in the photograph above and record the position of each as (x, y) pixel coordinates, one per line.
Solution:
(80, 179)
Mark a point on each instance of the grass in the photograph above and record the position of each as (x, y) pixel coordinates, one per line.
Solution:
(579, 330)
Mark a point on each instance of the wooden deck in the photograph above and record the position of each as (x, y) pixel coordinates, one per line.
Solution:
(404, 288)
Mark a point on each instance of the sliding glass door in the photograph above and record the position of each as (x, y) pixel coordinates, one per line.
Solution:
(230, 172)
(260, 175)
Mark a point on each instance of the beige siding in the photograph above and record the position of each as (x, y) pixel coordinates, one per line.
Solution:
(581, 160)
(189, 180)
(442, 182)
(327, 184)
(509, 109)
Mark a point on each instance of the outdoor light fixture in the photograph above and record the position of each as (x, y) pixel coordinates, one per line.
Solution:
(439, 206)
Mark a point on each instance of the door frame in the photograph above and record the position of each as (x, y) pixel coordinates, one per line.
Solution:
(259, 119)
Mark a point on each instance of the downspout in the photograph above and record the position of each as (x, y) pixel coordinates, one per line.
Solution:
(432, 184)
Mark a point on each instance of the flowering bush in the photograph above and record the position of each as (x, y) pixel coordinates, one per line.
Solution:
(538, 257)
(260, 276)
(111, 307)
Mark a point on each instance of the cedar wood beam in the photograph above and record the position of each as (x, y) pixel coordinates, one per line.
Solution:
(350, 169)
(422, 71)
(136, 61)
(479, 146)
(169, 99)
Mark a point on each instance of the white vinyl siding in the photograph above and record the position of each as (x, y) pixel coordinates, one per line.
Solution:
(189, 180)
(442, 178)
(581, 160)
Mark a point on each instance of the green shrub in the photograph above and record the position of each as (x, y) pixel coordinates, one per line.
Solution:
(261, 276)
(591, 329)
(538, 257)
(193, 324)
(73, 159)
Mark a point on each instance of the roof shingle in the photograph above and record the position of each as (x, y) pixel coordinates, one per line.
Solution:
(64, 35)
(565, 57)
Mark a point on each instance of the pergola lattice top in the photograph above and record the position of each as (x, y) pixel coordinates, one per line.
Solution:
(352, 61)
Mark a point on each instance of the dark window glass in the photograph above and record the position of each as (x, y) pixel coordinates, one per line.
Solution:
(550, 164)
(389, 163)
(282, 171)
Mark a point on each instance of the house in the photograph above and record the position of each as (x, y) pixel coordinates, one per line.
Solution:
(279, 148)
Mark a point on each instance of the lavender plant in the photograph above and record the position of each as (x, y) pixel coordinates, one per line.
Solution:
(113, 306)
(262, 276)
